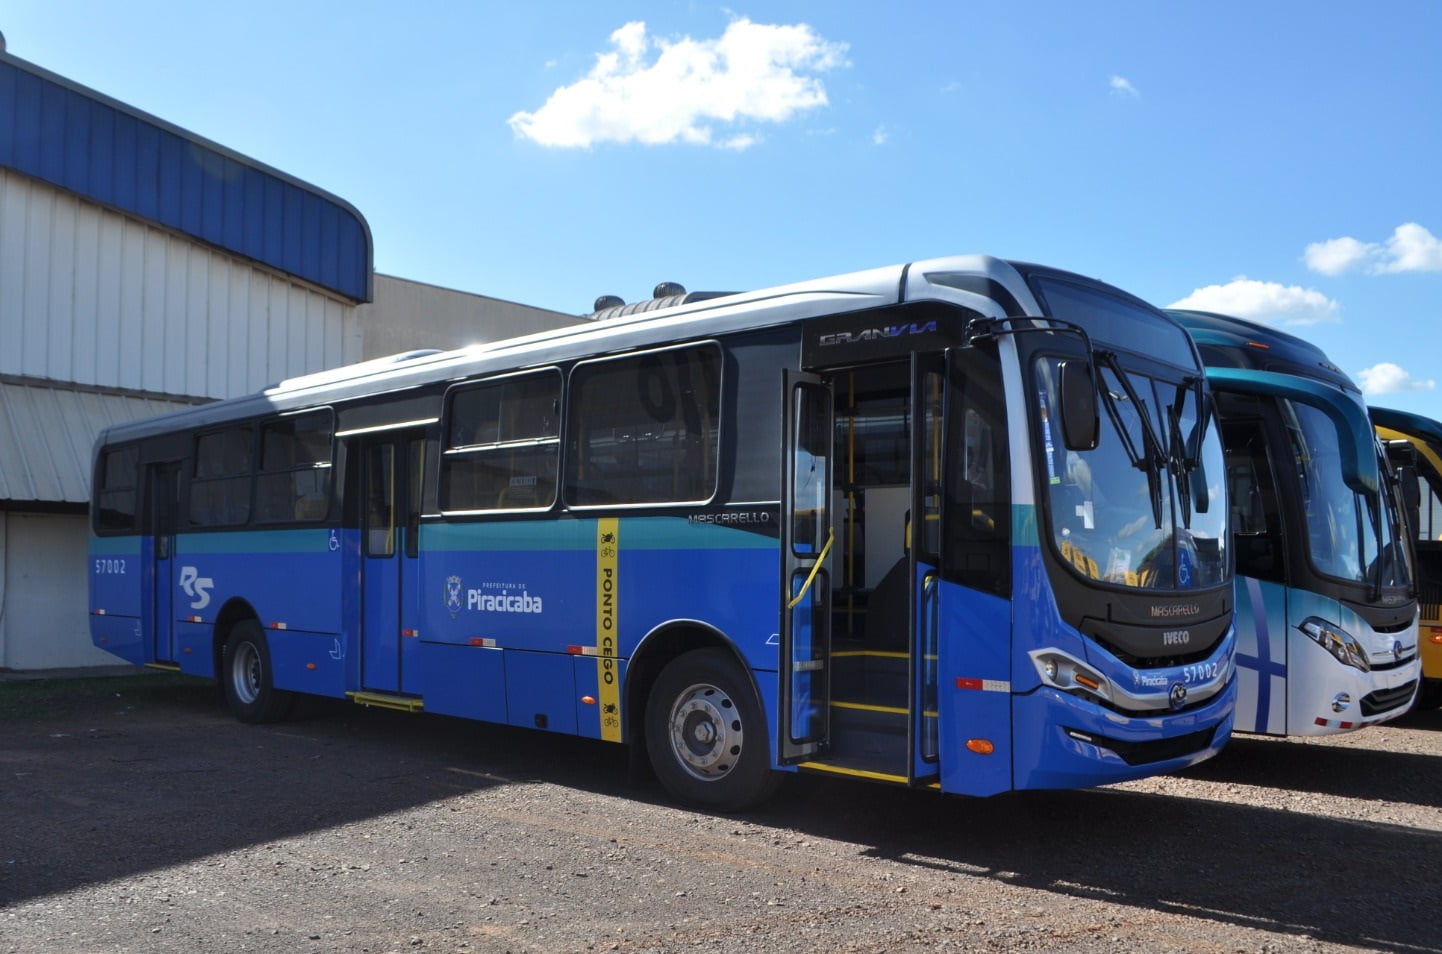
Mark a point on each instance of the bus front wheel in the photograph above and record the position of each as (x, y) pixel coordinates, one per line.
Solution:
(705, 734)
(246, 676)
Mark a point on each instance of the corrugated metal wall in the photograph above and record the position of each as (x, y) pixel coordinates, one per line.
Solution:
(85, 142)
(92, 296)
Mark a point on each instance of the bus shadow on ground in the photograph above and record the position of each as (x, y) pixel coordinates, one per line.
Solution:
(1351, 772)
(124, 790)
(1299, 873)
(119, 798)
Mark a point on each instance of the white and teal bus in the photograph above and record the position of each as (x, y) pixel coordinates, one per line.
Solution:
(957, 524)
(1326, 600)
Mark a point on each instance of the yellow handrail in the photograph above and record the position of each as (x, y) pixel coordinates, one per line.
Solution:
(815, 569)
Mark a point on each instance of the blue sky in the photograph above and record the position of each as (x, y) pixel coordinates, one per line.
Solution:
(1278, 160)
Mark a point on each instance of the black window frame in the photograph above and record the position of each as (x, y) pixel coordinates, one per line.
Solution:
(300, 505)
(104, 489)
(245, 475)
(662, 407)
(527, 447)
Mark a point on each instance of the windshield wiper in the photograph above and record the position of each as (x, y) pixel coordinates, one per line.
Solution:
(1150, 460)
(1186, 452)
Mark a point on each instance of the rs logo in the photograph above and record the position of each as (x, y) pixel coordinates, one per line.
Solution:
(196, 586)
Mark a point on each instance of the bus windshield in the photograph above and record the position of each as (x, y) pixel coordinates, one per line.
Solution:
(1141, 510)
(1349, 536)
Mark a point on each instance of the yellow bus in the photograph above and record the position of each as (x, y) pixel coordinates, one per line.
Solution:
(1415, 445)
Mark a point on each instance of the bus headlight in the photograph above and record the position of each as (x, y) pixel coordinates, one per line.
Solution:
(1061, 671)
(1337, 641)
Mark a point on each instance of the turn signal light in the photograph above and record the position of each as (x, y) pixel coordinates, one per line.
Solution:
(589, 700)
(1436, 636)
(980, 746)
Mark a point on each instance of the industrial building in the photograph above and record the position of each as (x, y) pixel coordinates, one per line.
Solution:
(144, 268)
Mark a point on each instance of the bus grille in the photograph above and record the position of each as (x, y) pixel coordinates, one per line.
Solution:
(1145, 753)
(1383, 700)
(1154, 662)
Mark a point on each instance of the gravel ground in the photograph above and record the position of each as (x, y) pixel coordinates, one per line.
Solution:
(136, 816)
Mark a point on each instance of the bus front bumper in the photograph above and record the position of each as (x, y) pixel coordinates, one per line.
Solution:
(1062, 741)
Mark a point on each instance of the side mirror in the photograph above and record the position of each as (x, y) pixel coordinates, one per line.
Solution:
(1079, 425)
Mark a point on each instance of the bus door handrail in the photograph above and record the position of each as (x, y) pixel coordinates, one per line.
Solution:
(815, 568)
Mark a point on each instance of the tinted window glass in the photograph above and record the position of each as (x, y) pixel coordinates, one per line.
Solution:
(1116, 321)
(502, 441)
(220, 488)
(118, 478)
(645, 429)
(295, 463)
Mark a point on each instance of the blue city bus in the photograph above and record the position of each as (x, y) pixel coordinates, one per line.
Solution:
(956, 524)
(1326, 605)
(1414, 444)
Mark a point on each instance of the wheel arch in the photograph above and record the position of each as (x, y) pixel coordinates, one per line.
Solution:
(234, 611)
(656, 651)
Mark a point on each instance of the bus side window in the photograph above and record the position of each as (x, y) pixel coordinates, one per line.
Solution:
(645, 428)
(1255, 518)
(295, 469)
(220, 487)
(502, 443)
(117, 481)
(977, 515)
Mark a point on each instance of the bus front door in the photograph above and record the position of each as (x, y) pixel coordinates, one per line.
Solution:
(928, 470)
(806, 542)
(163, 498)
(391, 476)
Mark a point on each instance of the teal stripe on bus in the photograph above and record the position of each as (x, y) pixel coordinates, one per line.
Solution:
(637, 533)
(115, 546)
(1024, 532)
(257, 541)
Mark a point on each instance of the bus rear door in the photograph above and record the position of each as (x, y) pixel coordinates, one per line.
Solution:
(162, 483)
(391, 475)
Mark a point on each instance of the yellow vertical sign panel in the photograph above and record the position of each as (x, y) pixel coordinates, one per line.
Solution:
(608, 545)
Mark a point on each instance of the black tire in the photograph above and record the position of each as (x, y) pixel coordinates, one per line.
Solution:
(245, 675)
(706, 735)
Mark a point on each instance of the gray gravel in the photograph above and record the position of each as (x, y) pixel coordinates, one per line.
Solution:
(149, 821)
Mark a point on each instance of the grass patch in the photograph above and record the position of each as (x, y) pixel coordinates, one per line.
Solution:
(26, 699)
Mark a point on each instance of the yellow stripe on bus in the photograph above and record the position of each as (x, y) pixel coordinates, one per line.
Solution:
(608, 547)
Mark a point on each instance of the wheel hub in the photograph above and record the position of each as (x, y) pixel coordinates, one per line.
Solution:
(706, 732)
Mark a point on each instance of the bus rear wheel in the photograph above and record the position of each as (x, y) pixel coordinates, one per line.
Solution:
(705, 734)
(245, 674)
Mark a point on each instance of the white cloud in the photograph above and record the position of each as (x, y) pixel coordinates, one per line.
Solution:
(1335, 256)
(1269, 302)
(655, 91)
(880, 136)
(1121, 86)
(1411, 248)
(1388, 378)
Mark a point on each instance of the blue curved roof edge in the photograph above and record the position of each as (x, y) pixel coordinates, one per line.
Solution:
(101, 149)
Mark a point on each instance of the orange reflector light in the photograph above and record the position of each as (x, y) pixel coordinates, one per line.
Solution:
(186, 650)
(589, 700)
(1436, 637)
(1090, 683)
(980, 746)
(310, 665)
(1258, 344)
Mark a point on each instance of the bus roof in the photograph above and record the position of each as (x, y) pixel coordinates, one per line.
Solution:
(1229, 342)
(1405, 422)
(989, 286)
